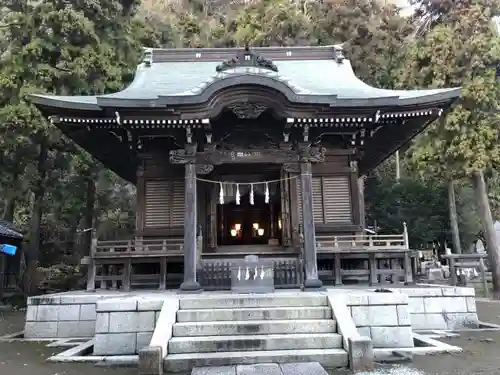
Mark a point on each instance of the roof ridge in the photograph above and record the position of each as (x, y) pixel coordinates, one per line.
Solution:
(159, 55)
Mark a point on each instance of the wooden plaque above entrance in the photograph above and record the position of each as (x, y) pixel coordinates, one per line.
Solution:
(245, 156)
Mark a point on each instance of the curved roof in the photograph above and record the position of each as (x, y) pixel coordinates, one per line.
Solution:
(9, 231)
(304, 75)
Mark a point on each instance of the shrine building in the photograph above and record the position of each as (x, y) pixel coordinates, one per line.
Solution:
(244, 151)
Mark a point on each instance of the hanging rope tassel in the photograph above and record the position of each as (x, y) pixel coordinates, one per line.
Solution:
(238, 194)
(221, 193)
(251, 195)
(267, 193)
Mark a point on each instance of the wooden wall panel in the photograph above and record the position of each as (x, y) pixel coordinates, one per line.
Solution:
(337, 200)
(317, 199)
(177, 203)
(163, 203)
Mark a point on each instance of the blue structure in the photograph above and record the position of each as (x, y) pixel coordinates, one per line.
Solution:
(8, 249)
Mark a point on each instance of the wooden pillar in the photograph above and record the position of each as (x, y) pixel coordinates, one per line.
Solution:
(361, 196)
(190, 283)
(311, 265)
(141, 198)
(271, 220)
(286, 232)
(213, 217)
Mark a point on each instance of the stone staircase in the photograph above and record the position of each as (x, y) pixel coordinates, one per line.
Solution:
(230, 330)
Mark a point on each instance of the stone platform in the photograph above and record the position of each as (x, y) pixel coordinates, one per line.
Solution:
(193, 330)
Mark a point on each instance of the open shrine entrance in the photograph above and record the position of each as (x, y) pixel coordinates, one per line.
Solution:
(254, 218)
(246, 208)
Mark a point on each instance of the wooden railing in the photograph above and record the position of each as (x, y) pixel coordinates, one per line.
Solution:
(140, 248)
(457, 262)
(383, 256)
(362, 242)
(216, 275)
(110, 264)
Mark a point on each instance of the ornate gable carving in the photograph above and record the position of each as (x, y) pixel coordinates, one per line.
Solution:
(247, 58)
(247, 110)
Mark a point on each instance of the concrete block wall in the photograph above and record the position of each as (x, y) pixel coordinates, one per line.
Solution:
(124, 326)
(61, 315)
(441, 307)
(384, 317)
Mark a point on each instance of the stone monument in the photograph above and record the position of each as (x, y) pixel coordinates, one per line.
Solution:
(480, 245)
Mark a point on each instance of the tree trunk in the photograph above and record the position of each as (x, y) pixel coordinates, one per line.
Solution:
(452, 207)
(89, 214)
(489, 231)
(33, 249)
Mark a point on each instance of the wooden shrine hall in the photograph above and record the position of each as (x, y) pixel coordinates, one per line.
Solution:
(240, 152)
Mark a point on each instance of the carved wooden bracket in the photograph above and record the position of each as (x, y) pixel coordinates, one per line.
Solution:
(312, 154)
(204, 168)
(184, 156)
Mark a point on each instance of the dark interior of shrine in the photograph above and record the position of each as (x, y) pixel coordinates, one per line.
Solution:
(250, 224)
(251, 219)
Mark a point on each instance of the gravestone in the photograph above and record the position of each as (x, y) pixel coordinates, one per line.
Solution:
(252, 275)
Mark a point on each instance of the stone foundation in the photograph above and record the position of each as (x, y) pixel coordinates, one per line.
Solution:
(384, 317)
(123, 323)
(441, 307)
(63, 315)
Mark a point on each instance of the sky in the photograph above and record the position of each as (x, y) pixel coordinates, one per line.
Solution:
(406, 8)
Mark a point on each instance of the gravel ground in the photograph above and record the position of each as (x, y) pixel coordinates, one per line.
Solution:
(480, 355)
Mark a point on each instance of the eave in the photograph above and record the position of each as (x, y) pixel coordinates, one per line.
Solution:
(99, 103)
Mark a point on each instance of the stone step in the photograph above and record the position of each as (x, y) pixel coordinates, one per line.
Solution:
(207, 344)
(254, 327)
(205, 315)
(329, 358)
(275, 300)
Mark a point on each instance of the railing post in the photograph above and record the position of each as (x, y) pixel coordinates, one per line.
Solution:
(453, 271)
(482, 269)
(405, 236)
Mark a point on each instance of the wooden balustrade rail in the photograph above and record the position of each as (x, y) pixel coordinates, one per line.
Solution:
(459, 261)
(144, 247)
(364, 242)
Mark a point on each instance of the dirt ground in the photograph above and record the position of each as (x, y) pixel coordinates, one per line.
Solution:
(480, 355)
